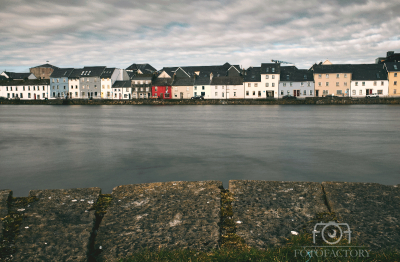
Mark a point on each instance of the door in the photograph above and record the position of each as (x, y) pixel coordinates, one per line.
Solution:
(316, 92)
(227, 95)
(181, 95)
(35, 96)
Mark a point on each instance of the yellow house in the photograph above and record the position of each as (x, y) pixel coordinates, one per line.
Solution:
(331, 79)
(393, 70)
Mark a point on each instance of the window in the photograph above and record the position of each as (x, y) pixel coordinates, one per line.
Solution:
(16, 88)
(58, 80)
(155, 89)
(337, 83)
(57, 87)
(395, 67)
(374, 83)
(20, 95)
(249, 85)
(255, 85)
(54, 94)
(360, 92)
(325, 92)
(339, 92)
(273, 76)
(64, 80)
(29, 88)
(304, 92)
(345, 75)
(195, 93)
(234, 93)
(187, 88)
(302, 84)
(395, 83)
(266, 84)
(247, 93)
(102, 86)
(319, 76)
(195, 88)
(273, 70)
(64, 87)
(319, 83)
(327, 75)
(95, 93)
(345, 83)
(108, 86)
(259, 93)
(311, 92)
(327, 84)
(284, 84)
(353, 92)
(53, 80)
(380, 92)
(356, 83)
(223, 94)
(395, 74)
(29, 95)
(87, 79)
(381, 83)
(394, 91)
(363, 83)
(337, 75)
(216, 87)
(254, 93)
(308, 84)
(216, 93)
(273, 84)
(267, 76)
(8, 95)
(282, 92)
(202, 88)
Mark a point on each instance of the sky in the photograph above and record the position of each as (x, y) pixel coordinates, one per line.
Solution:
(118, 33)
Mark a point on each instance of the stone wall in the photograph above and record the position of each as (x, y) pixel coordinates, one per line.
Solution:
(307, 101)
(65, 225)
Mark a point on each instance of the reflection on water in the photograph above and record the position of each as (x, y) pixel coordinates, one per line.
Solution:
(43, 147)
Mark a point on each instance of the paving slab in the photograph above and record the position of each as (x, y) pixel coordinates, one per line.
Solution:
(4, 196)
(265, 212)
(58, 226)
(167, 215)
(371, 210)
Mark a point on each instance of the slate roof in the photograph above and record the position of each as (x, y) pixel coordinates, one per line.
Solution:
(13, 75)
(291, 73)
(169, 70)
(227, 80)
(266, 68)
(61, 72)
(253, 74)
(144, 68)
(107, 73)
(220, 70)
(391, 66)
(93, 71)
(202, 81)
(76, 73)
(332, 69)
(46, 65)
(162, 82)
(25, 82)
(3, 78)
(183, 81)
(122, 84)
(368, 72)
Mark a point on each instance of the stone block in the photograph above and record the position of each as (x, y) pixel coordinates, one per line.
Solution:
(265, 212)
(58, 226)
(171, 215)
(371, 210)
(4, 196)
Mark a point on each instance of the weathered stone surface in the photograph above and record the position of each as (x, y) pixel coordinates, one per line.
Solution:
(371, 210)
(57, 226)
(160, 215)
(265, 212)
(4, 196)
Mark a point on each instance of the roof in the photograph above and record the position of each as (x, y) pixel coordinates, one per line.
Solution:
(392, 66)
(162, 82)
(92, 71)
(25, 82)
(253, 74)
(46, 65)
(291, 73)
(3, 78)
(217, 70)
(122, 84)
(183, 81)
(107, 73)
(169, 70)
(331, 69)
(13, 75)
(144, 68)
(368, 72)
(270, 68)
(202, 80)
(61, 72)
(227, 80)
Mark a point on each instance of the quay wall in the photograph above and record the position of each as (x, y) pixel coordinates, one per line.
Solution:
(84, 225)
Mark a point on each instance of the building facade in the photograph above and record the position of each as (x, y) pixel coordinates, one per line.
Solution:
(270, 74)
(296, 82)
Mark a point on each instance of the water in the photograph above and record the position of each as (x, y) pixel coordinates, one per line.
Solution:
(47, 147)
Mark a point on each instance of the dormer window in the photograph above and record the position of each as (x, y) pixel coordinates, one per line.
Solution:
(377, 75)
(267, 69)
(89, 72)
(287, 77)
(273, 70)
(305, 76)
(395, 67)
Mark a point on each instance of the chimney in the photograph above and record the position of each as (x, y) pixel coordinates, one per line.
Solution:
(389, 53)
(211, 76)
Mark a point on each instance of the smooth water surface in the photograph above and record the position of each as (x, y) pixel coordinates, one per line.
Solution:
(47, 147)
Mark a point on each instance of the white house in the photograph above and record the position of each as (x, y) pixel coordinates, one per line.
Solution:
(26, 89)
(253, 87)
(369, 79)
(296, 82)
(227, 87)
(270, 73)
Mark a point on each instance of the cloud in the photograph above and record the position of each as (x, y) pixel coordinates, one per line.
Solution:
(177, 33)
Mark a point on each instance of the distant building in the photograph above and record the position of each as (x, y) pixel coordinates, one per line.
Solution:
(253, 87)
(270, 73)
(391, 56)
(59, 84)
(229, 87)
(43, 71)
(122, 89)
(25, 89)
(86, 82)
(369, 79)
(393, 71)
(141, 86)
(18, 76)
(296, 82)
(332, 79)
(161, 88)
(108, 78)
(141, 69)
(202, 83)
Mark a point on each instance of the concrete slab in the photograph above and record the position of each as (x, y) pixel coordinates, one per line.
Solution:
(57, 226)
(371, 210)
(265, 212)
(4, 196)
(160, 215)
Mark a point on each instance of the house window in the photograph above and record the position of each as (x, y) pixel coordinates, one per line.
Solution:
(345, 83)
(394, 91)
(319, 76)
(304, 92)
(195, 93)
(273, 70)
(337, 75)
(354, 92)
(311, 93)
(308, 84)
(266, 84)
(339, 92)
(319, 83)
(360, 92)
(195, 88)
(57, 86)
(267, 69)
(249, 85)
(345, 75)
(155, 89)
(223, 94)
(95, 93)
(302, 84)
(273, 84)
(254, 93)
(255, 85)
(215, 87)
(58, 80)
(363, 83)
(282, 92)
(54, 94)
(291, 84)
(395, 83)
(267, 76)
(247, 93)
(64, 87)
(216, 93)
(273, 76)
(356, 83)
(102, 86)
(380, 92)
(337, 83)
(395, 74)
(327, 84)
(202, 88)
(20, 95)
(29, 95)
(284, 84)
(234, 93)
(327, 75)
(374, 83)
(259, 93)
(381, 83)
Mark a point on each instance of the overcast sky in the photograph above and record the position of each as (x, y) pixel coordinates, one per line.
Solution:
(117, 33)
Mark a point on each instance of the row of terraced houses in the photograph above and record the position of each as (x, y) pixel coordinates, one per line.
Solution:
(268, 81)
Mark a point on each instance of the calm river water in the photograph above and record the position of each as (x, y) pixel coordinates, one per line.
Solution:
(47, 147)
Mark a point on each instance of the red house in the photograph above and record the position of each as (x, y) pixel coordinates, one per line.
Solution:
(162, 88)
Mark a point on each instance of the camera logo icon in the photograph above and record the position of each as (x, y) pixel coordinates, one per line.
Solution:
(332, 232)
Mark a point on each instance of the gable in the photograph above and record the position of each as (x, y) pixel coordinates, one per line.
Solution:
(164, 75)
